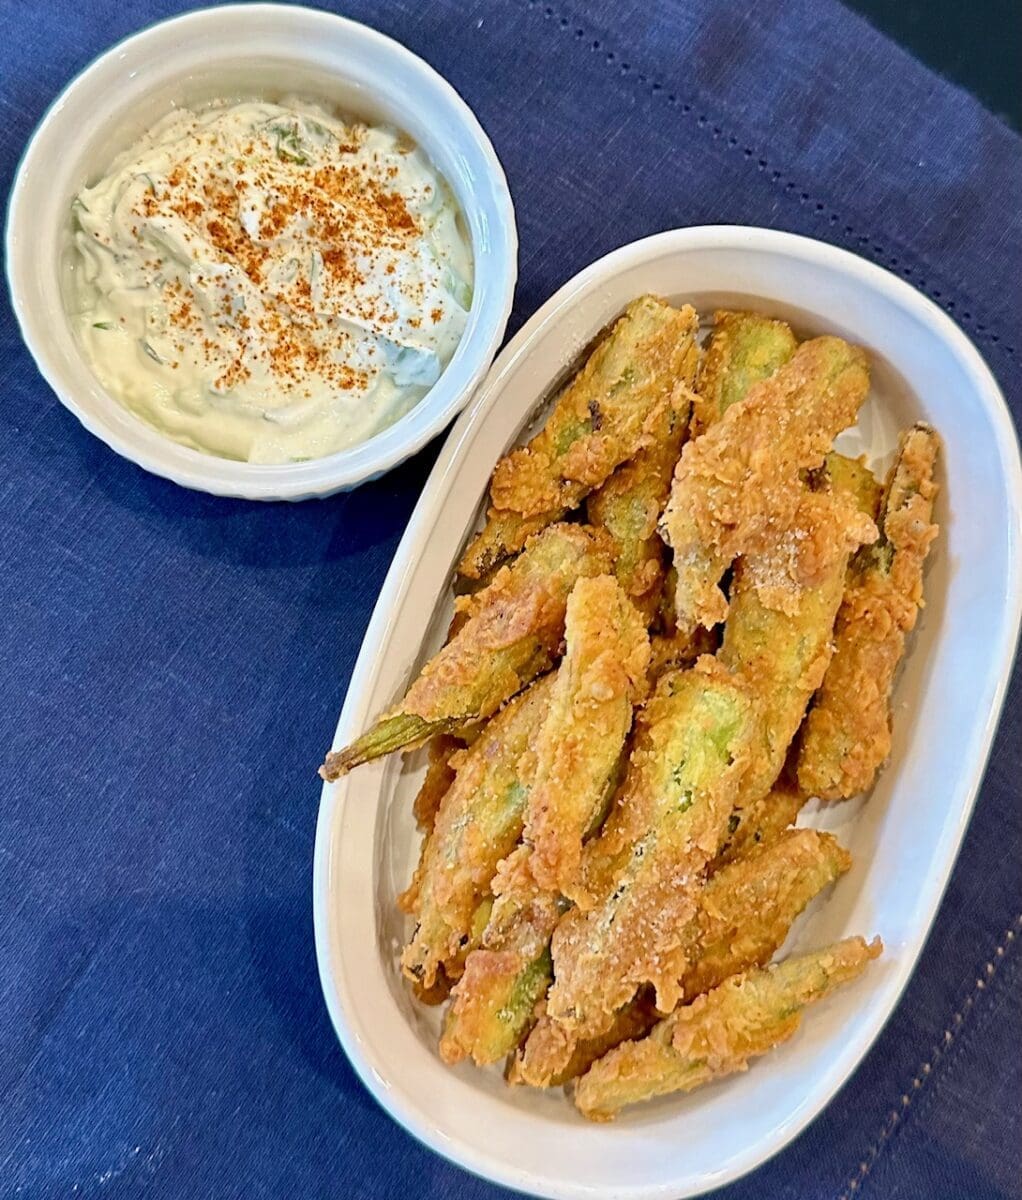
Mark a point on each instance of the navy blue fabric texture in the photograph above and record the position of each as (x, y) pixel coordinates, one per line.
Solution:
(173, 664)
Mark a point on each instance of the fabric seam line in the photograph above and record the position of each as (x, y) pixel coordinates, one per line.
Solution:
(787, 186)
(938, 1055)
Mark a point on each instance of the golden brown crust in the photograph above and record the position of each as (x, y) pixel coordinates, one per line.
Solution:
(510, 633)
(761, 822)
(493, 1003)
(572, 763)
(847, 735)
(720, 1031)
(606, 413)
(438, 993)
(644, 871)
(551, 1056)
(743, 349)
(623, 403)
(479, 821)
(824, 531)
(749, 905)
(438, 778)
(738, 485)
(852, 478)
(674, 651)
(500, 539)
(466, 1024)
(779, 632)
(435, 785)
(601, 677)
(631, 501)
(555, 926)
(744, 914)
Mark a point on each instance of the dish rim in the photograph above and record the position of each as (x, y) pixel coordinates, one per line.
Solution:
(155, 452)
(429, 509)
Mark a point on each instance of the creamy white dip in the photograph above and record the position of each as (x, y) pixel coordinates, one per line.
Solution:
(269, 283)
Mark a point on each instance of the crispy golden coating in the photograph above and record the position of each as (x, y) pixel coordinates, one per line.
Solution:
(438, 778)
(601, 678)
(749, 905)
(744, 349)
(739, 485)
(479, 821)
(847, 735)
(433, 996)
(778, 634)
(577, 753)
(825, 529)
(512, 632)
(761, 822)
(744, 914)
(552, 1056)
(645, 870)
(495, 1000)
(435, 784)
(607, 411)
(454, 968)
(671, 651)
(852, 478)
(500, 539)
(629, 505)
(605, 872)
(719, 1032)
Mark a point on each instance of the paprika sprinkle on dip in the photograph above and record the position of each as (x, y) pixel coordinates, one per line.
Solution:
(267, 282)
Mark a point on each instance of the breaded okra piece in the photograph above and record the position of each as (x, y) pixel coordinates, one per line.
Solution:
(438, 778)
(847, 734)
(745, 912)
(748, 906)
(604, 415)
(500, 539)
(442, 750)
(629, 505)
(494, 1002)
(778, 633)
(478, 823)
(744, 349)
(602, 676)
(645, 870)
(719, 1032)
(851, 477)
(740, 483)
(551, 1056)
(435, 784)
(761, 822)
(512, 633)
(578, 750)
(453, 968)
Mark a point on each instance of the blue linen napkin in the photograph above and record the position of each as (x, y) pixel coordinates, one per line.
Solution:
(173, 664)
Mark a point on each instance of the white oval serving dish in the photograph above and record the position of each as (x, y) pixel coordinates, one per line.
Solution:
(904, 840)
(269, 51)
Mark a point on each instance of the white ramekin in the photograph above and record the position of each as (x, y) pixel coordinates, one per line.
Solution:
(257, 49)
